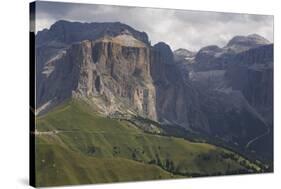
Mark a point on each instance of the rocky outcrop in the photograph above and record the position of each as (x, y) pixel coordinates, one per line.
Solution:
(54, 42)
(113, 71)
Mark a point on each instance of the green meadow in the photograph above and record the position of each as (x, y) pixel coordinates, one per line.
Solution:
(77, 145)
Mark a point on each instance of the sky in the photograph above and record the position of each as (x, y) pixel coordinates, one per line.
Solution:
(191, 30)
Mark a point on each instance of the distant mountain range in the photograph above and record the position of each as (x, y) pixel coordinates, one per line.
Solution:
(223, 95)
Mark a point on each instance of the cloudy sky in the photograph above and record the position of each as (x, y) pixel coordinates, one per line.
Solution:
(180, 29)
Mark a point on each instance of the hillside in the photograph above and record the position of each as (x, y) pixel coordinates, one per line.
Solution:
(77, 145)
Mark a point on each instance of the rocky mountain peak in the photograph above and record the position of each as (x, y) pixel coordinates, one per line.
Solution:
(206, 54)
(67, 32)
(242, 43)
(211, 49)
(184, 52)
(165, 52)
(183, 55)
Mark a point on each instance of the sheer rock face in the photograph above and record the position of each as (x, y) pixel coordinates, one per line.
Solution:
(251, 72)
(57, 51)
(114, 69)
(176, 102)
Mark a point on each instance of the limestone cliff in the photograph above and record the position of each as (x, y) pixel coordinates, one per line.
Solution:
(112, 71)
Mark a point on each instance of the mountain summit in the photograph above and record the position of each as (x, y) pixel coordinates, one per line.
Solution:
(183, 54)
(67, 32)
(241, 43)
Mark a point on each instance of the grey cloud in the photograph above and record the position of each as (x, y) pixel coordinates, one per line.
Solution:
(178, 28)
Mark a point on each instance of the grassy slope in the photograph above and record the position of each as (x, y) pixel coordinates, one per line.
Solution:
(90, 148)
(56, 165)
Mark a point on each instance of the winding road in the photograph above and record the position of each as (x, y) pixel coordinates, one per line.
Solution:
(258, 137)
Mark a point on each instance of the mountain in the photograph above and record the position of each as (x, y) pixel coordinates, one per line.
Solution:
(242, 43)
(116, 71)
(107, 70)
(244, 76)
(183, 55)
(203, 105)
(62, 37)
(65, 32)
(176, 102)
(251, 72)
(215, 57)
